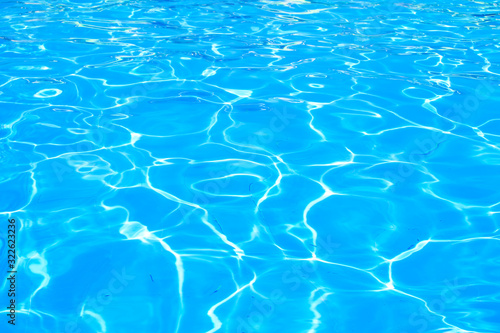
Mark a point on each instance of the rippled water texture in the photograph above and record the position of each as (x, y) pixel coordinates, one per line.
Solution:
(252, 166)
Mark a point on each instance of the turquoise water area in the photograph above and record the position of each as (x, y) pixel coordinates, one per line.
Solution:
(251, 166)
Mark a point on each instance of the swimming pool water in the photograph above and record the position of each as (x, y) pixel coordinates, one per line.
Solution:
(251, 166)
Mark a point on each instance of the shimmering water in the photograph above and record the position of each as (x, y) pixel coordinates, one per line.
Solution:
(251, 166)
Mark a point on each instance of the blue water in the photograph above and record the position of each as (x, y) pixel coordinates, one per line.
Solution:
(251, 166)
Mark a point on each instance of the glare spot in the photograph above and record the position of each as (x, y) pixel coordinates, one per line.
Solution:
(48, 93)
